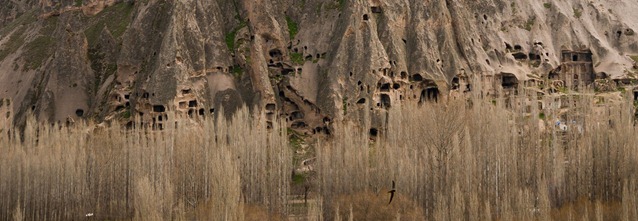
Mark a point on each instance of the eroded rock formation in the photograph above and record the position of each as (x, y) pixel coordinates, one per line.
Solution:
(311, 61)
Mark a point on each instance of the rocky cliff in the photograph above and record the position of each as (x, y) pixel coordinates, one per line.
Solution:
(310, 61)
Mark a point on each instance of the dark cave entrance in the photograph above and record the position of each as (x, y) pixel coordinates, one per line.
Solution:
(374, 132)
(386, 101)
(509, 81)
(79, 112)
(429, 94)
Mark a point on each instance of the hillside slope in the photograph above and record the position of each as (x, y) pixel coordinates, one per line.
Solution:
(312, 61)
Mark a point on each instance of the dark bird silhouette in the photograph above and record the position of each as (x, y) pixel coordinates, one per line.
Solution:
(391, 192)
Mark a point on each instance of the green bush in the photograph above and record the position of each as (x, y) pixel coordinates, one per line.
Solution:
(297, 58)
(293, 27)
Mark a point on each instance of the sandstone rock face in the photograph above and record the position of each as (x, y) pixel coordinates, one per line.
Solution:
(310, 61)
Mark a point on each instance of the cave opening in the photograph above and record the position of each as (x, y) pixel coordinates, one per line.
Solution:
(298, 125)
(417, 77)
(287, 71)
(455, 83)
(520, 56)
(374, 132)
(385, 87)
(386, 101)
(275, 53)
(295, 115)
(533, 56)
(79, 112)
(429, 94)
(508, 80)
(159, 108)
(270, 107)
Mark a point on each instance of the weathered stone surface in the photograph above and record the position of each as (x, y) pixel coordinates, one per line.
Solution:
(344, 57)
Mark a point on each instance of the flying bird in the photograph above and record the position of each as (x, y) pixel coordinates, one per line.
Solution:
(391, 192)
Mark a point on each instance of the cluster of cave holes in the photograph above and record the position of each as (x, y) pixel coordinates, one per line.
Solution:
(520, 55)
(318, 130)
(275, 57)
(309, 57)
(297, 117)
(533, 56)
(200, 112)
(298, 125)
(190, 104)
(361, 86)
(126, 100)
(456, 85)
(429, 94)
(385, 101)
(117, 97)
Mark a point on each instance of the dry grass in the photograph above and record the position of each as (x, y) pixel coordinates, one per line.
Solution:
(453, 160)
(375, 206)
